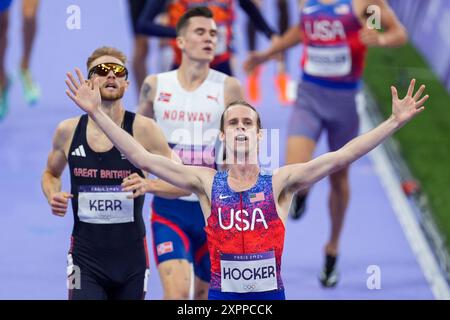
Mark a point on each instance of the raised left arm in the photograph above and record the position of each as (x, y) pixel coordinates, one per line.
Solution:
(300, 176)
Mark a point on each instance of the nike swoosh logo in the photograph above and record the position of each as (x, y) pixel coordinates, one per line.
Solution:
(312, 9)
(221, 197)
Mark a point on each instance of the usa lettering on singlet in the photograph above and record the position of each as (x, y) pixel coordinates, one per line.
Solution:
(332, 48)
(190, 121)
(246, 272)
(245, 237)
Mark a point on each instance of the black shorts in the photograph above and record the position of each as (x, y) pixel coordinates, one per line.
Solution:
(113, 274)
(136, 7)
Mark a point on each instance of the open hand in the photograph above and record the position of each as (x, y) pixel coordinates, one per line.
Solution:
(85, 93)
(407, 108)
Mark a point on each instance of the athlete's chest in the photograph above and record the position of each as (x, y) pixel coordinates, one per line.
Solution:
(203, 106)
(329, 23)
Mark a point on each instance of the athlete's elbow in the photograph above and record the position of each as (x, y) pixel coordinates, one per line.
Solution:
(400, 37)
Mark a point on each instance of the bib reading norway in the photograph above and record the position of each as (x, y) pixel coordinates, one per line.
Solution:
(245, 237)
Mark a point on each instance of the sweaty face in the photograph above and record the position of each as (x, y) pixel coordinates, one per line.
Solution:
(241, 132)
(199, 39)
(111, 87)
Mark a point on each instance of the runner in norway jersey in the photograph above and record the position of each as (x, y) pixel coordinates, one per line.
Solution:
(245, 239)
(223, 11)
(224, 16)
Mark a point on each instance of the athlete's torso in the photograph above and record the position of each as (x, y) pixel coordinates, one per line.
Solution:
(245, 237)
(333, 54)
(223, 12)
(103, 216)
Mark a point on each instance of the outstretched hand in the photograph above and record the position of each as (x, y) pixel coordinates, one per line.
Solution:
(85, 93)
(407, 108)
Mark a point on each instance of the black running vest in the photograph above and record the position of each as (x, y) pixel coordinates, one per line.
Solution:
(95, 183)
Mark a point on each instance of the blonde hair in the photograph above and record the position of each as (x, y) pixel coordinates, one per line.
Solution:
(106, 51)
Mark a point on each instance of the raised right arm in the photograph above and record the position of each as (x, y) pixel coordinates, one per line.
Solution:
(86, 95)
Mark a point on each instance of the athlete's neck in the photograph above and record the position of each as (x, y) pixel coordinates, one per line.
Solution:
(192, 74)
(242, 176)
(114, 110)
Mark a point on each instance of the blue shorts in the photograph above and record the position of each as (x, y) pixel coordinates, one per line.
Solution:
(318, 108)
(178, 233)
(4, 5)
(268, 295)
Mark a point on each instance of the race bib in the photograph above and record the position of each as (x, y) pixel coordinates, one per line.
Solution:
(104, 205)
(328, 61)
(244, 273)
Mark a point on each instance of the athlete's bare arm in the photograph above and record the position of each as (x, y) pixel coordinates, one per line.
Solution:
(290, 38)
(148, 133)
(232, 91)
(57, 160)
(147, 96)
(151, 137)
(292, 178)
(393, 35)
(86, 95)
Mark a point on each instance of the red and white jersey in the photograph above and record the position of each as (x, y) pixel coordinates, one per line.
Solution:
(245, 237)
(190, 120)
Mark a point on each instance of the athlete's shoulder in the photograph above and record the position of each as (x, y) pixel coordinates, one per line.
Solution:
(232, 82)
(150, 80)
(64, 133)
(168, 78)
(233, 90)
(216, 76)
(66, 128)
(143, 123)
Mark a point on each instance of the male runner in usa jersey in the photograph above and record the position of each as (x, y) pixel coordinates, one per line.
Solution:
(246, 233)
(187, 104)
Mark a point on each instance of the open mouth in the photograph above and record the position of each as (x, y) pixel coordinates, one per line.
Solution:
(110, 86)
(241, 138)
(208, 49)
